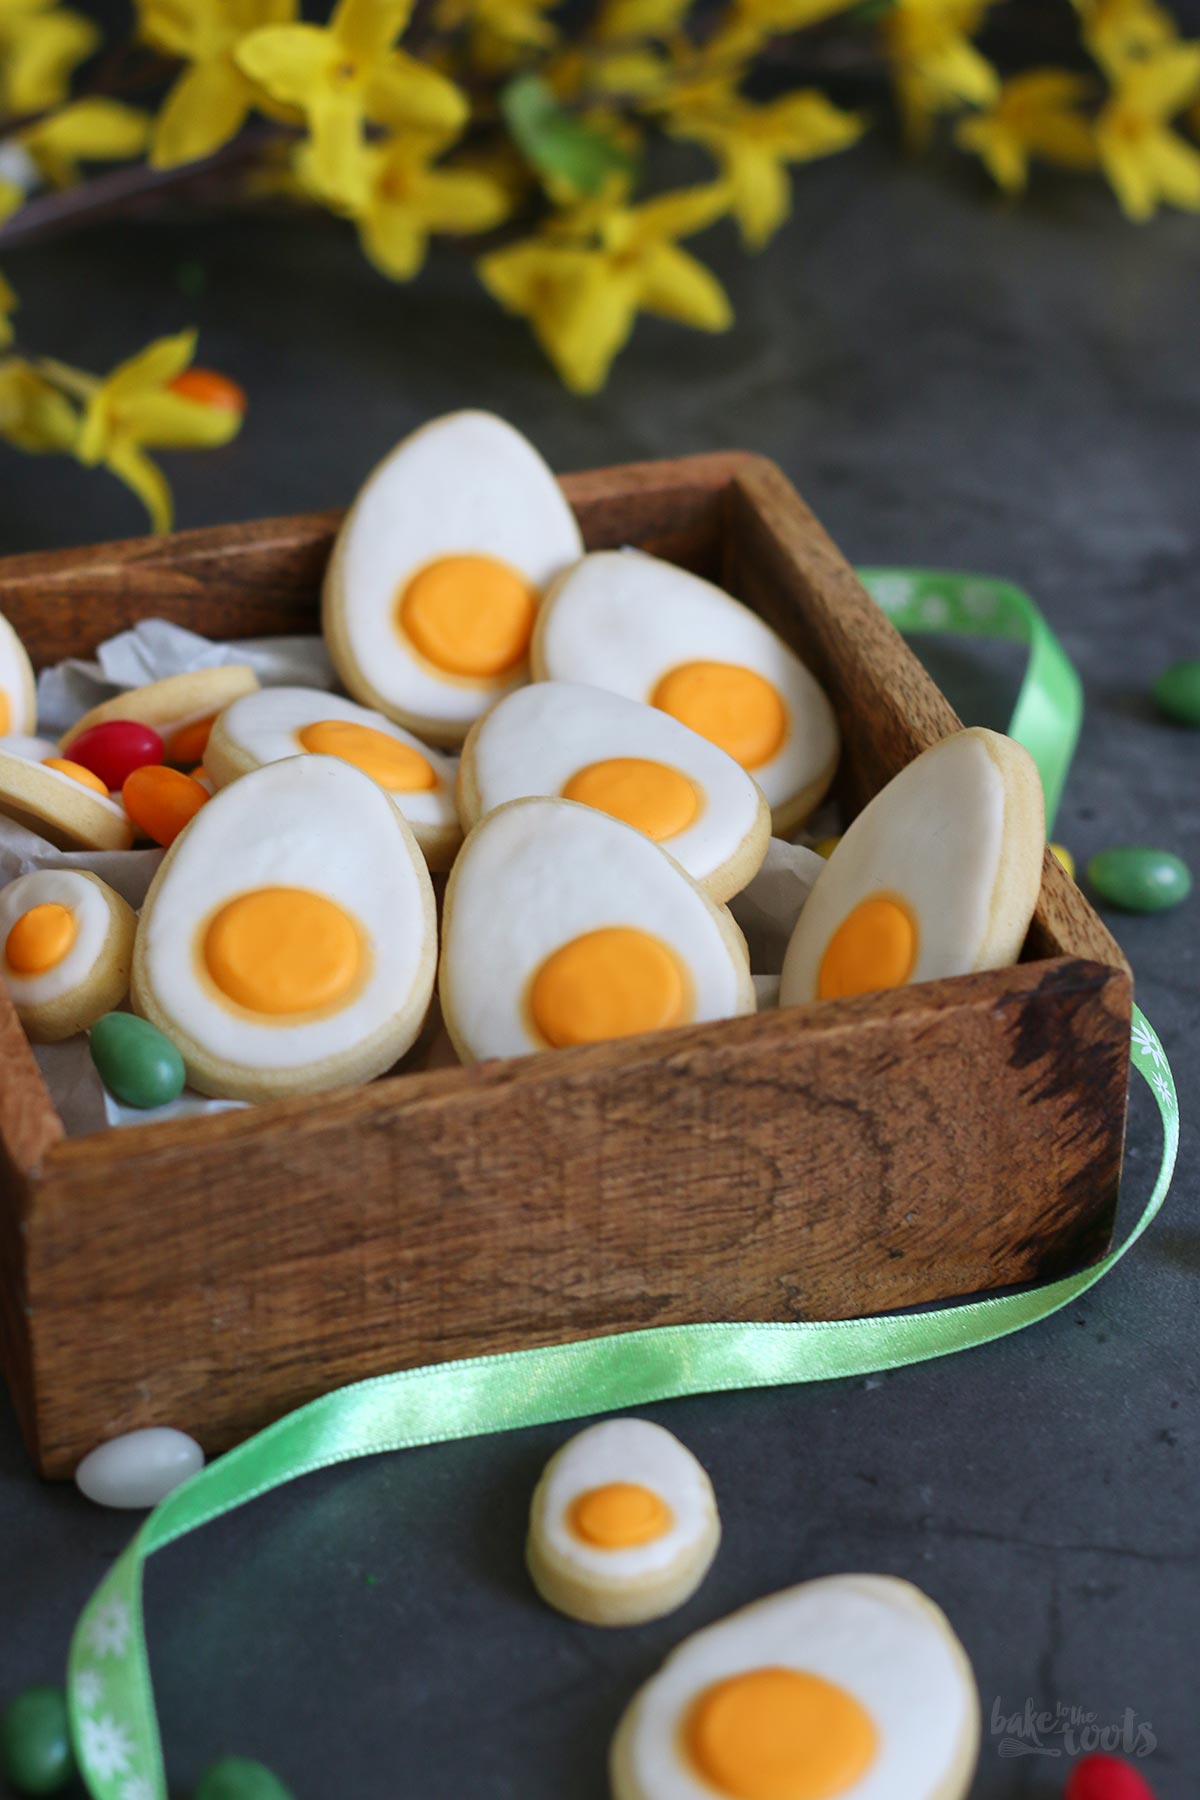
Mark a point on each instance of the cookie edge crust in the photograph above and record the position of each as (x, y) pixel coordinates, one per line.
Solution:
(125, 707)
(101, 991)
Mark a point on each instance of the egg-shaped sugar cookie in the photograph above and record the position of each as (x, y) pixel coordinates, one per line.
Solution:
(627, 621)
(562, 926)
(18, 690)
(67, 946)
(438, 572)
(938, 875)
(288, 941)
(853, 1687)
(62, 802)
(180, 708)
(623, 1526)
(277, 722)
(628, 760)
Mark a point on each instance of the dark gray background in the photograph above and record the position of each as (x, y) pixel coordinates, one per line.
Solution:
(949, 381)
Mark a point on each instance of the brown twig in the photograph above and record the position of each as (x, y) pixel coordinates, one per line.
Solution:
(130, 189)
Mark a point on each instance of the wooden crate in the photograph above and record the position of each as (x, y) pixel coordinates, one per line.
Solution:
(816, 1162)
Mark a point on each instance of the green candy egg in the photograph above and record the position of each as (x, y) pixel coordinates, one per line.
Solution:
(35, 1744)
(1140, 880)
(1177, 692)
(237, 1778)
(135, 1061)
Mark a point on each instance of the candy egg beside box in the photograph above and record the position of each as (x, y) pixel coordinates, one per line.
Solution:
(848, 1153)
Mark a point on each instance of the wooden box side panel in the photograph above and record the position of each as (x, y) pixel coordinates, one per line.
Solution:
(779, 560)
(797, 1165)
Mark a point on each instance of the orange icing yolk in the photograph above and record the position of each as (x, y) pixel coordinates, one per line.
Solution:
(607, 984)
(780, 1734)
(77, 772)
(394, 765)
(191, 741)
(280, 950)
(874, 947)
(620, 1516)
(469, 615)
(650, 796)
(735, 708)
(208, 387)
(5, 714)
(40, 939)
(162, 801)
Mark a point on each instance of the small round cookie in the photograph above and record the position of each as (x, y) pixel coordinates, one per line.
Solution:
(438, 571)
(938, 875)
(181, 708)
(623, 1526)
(562, 926)
(625, 759)
(288, 941)
(623, 620)
(18, 690)
(853, 1687)
(276, 722)
(62, 803)
(67, 943)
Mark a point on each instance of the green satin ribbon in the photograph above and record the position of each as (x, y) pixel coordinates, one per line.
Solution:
(113, 1722)
(1049, 708)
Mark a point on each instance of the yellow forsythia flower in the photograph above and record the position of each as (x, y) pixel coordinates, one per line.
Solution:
(1033, 115)
(408, 199)
(1145, 161)
(500, 30)
(1115, 29)
(133, 410)
(209, 101)
(40, 45)
(345, 72)
(582, 297)
(753, 144)
(34, 416)
(85, 131)
(619, 19)
(749, 23)
(935, 67)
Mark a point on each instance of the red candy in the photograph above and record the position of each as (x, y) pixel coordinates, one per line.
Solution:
(1106, 1778)
(115, 749)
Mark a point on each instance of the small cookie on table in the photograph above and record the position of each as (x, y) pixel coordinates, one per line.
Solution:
(67, 950)
(623, 1526)
(180, 708)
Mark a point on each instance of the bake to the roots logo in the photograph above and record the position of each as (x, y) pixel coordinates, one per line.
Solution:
(1068, 1731)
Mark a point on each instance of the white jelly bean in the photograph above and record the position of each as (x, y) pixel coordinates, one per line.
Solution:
(139, 1469)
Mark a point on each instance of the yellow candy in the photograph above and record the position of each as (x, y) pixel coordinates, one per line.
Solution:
(827, 846)
(1065, 858)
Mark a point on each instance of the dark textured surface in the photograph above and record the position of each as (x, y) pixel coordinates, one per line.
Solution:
(949, 382)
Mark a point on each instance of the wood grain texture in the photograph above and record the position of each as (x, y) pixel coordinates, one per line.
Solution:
(816, 1162)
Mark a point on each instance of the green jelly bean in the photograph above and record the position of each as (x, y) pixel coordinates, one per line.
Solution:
(136, 1062)
(1177, 692)
(237, 1778)
(1140, 880)
(35, 1744)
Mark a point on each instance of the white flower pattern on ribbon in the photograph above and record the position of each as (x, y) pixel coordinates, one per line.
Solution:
(935, 610)
(109, 1627)
(1161, 1083)
(978, 601)
(1147, 1042)
(105, 1747)
(891, 591)
(137, 1788)
(89, 1690)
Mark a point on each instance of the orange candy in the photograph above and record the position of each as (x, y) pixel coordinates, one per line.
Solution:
(208, 387)
(191, 741)
(162, 801)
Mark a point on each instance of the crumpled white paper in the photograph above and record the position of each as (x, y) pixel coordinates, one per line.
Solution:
(766, 911)
(155, 649)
